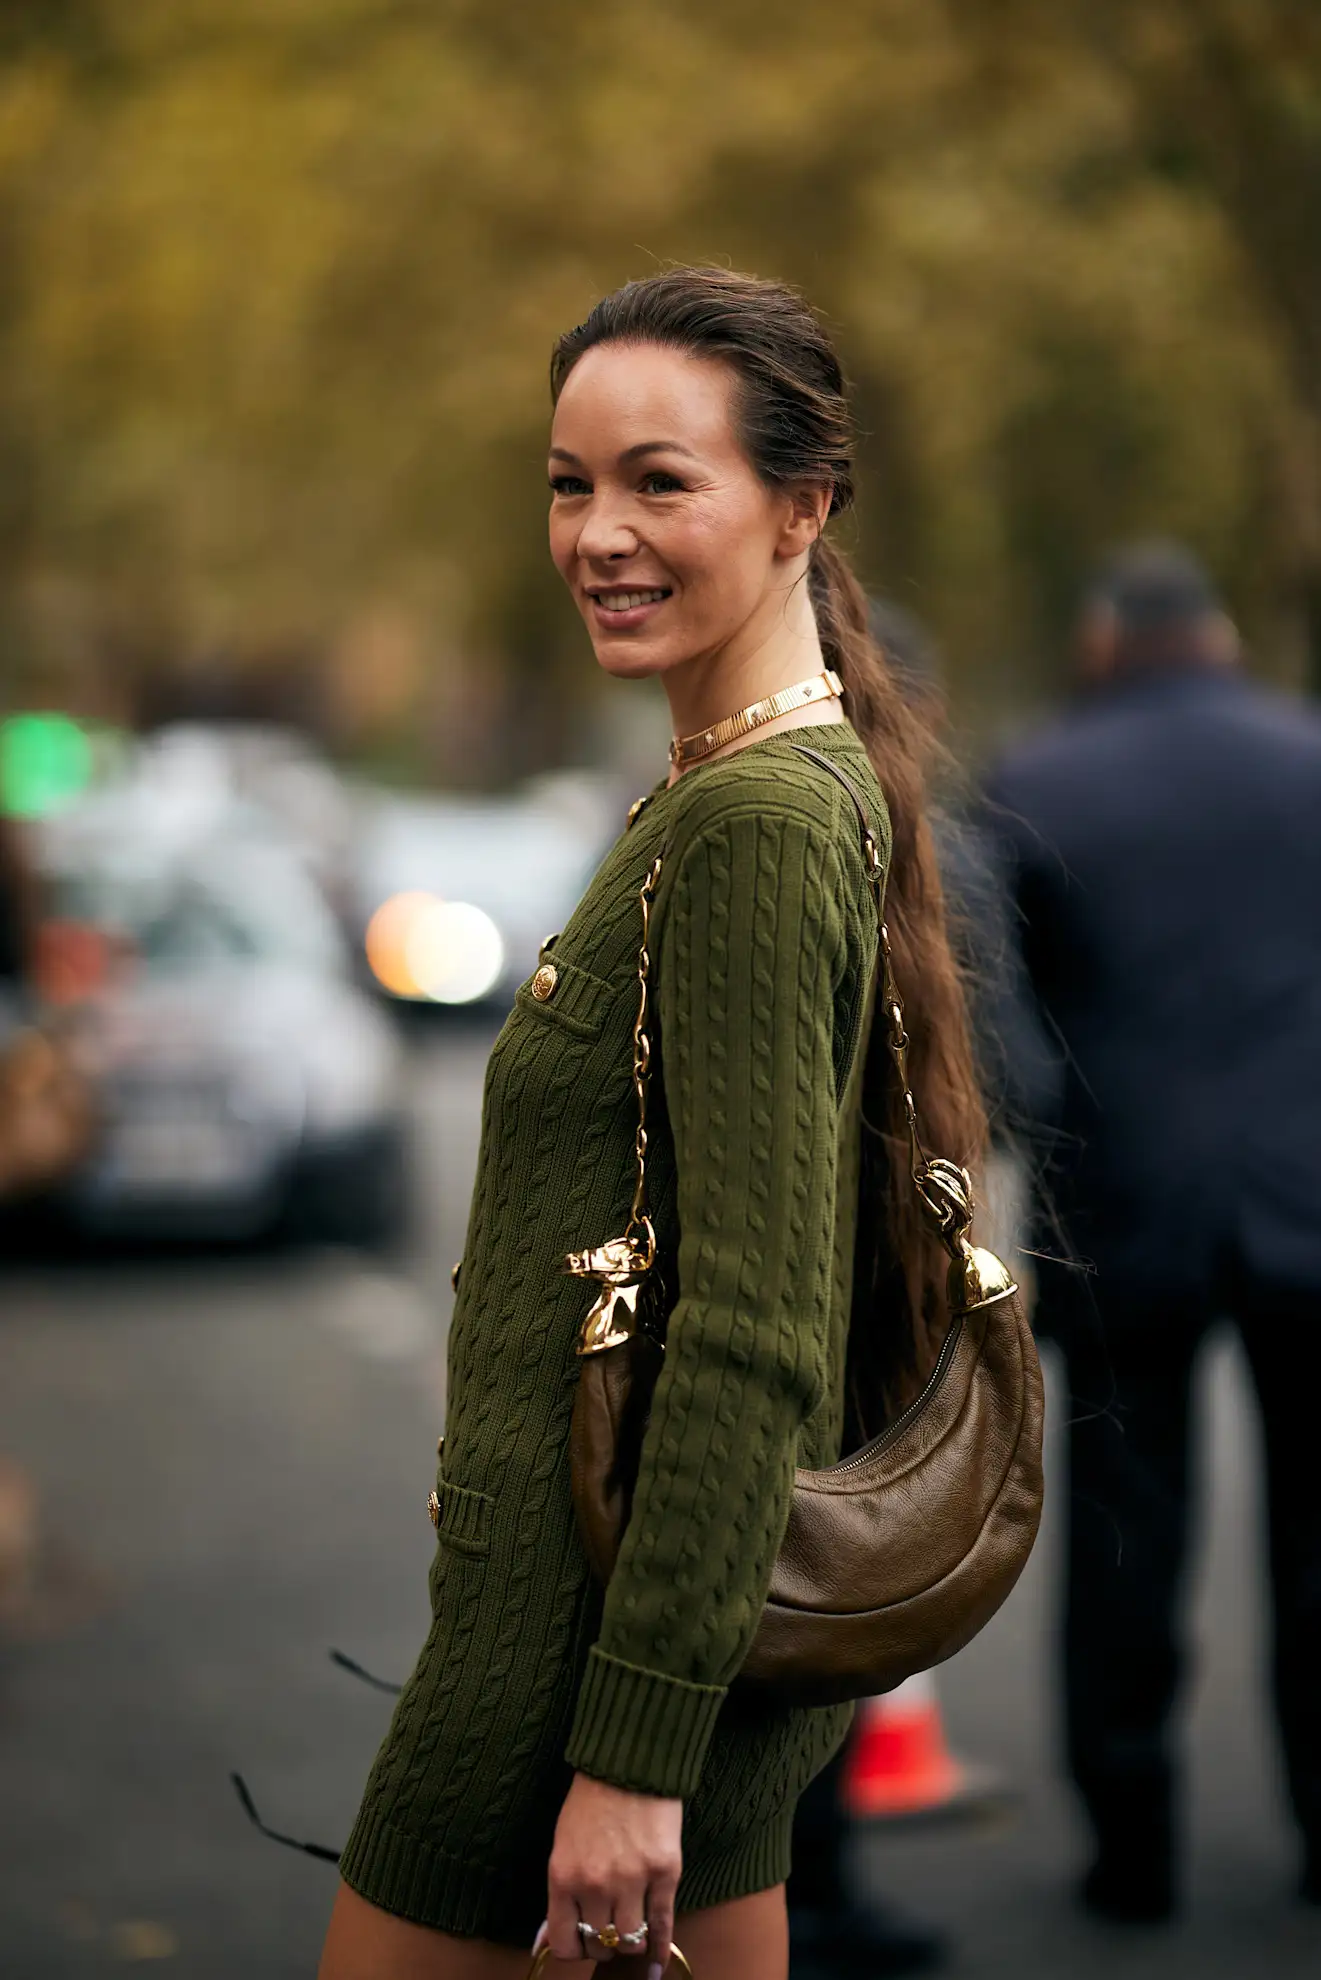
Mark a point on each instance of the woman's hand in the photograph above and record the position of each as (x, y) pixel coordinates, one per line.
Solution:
(616, 1861)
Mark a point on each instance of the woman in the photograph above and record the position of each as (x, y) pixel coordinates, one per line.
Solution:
(701, 441)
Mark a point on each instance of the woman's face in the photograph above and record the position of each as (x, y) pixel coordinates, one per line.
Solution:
(671, 543)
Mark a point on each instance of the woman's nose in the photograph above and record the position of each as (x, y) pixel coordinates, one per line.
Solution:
(606, 533)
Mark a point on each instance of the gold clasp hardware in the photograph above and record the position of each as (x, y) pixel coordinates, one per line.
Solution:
(621, 1265)
(976, 1276)
(947, 1192)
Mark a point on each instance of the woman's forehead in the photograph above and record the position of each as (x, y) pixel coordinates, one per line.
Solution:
(620, 396)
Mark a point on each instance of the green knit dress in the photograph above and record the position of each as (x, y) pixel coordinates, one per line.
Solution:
(764, 940)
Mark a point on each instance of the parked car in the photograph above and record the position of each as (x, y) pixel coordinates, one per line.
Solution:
(243, 1078)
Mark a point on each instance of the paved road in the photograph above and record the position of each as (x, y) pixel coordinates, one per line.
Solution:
(233, 1457)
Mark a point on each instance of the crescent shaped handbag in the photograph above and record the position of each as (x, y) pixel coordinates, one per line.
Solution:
(894, 1558)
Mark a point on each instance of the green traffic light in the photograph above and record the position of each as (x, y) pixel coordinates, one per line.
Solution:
(45, 762)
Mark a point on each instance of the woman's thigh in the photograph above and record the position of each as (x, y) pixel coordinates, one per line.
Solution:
(366, 1943)
(748, 1936)
(729, 1942)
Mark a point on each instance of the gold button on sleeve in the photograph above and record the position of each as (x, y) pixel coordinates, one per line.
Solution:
(543, 983)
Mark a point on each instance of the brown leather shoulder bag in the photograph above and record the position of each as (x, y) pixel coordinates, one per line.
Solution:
(896, 1556)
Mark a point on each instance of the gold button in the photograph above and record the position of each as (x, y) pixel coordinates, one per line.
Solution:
(543, 983)
(433, 1510)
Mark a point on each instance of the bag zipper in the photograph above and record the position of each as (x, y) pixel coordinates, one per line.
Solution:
(914, 1409)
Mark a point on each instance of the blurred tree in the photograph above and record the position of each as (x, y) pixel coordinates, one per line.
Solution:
(1227, 103)
(278, 280)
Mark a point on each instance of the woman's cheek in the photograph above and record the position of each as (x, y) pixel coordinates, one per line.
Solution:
(561, 547)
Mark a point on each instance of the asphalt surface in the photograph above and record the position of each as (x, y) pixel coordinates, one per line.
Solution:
(233, 1457)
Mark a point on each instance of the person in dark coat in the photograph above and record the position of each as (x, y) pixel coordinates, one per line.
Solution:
(1162, 845)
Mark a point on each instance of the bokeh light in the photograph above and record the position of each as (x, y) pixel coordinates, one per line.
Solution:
(443, 952)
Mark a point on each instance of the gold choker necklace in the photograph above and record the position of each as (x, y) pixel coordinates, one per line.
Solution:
(691, 749)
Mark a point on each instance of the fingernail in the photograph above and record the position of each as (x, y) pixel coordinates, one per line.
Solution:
(543, 1933)
(655, 1971)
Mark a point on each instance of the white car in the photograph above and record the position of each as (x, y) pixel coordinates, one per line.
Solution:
(244, 1078)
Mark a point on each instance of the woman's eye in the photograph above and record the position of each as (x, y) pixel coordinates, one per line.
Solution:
(568, 484)
(657, 483)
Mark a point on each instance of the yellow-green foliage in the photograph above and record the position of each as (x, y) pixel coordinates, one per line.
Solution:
(278, 280)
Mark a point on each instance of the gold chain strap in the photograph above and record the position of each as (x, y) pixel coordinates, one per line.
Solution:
(641, 1232)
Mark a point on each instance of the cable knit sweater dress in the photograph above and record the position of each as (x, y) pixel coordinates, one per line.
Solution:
(764, 940)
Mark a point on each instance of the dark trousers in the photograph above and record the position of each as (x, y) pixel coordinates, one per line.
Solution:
(1130, 1380)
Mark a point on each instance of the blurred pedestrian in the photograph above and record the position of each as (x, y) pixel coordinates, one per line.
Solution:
(838, 1925)
(701, 439)
(1163, 849)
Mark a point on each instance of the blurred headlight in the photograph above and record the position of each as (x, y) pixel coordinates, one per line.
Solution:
(447, 952)
(387, 942)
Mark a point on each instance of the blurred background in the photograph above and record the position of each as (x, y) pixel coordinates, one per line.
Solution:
(302, 752)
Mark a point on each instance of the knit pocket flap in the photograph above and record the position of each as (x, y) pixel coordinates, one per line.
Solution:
(464, 1518)
(564, 993)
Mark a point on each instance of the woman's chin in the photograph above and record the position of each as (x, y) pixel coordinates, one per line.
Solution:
(630, 660)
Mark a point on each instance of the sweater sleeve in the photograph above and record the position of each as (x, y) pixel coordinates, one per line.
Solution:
(751, 945)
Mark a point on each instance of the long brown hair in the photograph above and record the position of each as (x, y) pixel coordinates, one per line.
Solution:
(795, 426)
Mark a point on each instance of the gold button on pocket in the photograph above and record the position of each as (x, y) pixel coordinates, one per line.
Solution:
(543, 983)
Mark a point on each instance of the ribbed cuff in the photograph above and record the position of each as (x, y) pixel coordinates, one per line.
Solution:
(641, 1730)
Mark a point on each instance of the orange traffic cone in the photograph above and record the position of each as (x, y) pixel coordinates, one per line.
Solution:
(898, 1763)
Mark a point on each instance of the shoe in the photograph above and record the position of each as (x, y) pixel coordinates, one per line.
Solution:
(1128, 1890)
(868, 1939)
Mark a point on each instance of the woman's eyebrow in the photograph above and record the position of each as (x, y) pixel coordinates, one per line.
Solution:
(657, 447)
(631, 453)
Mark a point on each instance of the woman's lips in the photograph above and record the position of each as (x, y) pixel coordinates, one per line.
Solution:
(621, 611)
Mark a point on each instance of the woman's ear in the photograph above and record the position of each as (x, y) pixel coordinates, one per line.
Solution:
(807, 507)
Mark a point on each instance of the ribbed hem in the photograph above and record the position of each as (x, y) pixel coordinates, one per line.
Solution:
(402, 1874)
(640, 1729)
(760, 1862)
(505, 1903)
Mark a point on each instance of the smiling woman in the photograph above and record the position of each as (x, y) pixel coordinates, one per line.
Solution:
(680, 558)
(561, 1748)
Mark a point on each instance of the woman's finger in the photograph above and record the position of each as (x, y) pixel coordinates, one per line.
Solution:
(630, 1922)
(660, 1925)
(562, 1921)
